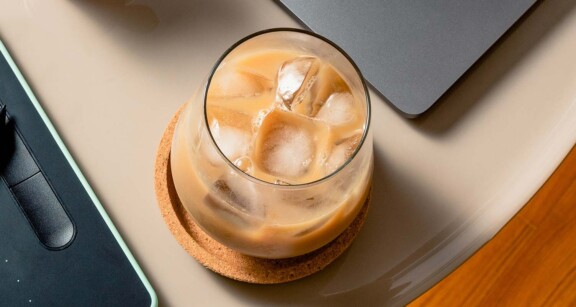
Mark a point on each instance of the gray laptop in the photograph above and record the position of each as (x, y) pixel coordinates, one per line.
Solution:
(411, 51)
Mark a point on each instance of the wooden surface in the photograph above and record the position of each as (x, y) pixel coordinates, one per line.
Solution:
(530, 262)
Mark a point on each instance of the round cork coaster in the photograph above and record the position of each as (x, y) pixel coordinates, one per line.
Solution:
(226, 261)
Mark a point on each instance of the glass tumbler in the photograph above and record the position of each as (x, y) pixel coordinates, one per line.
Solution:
(256, 215)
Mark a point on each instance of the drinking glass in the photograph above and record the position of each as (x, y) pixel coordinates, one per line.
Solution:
(256, 217)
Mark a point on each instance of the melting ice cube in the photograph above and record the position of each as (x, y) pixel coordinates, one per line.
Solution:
(338, 109)
(229, 117)
(288, 151)
(329, 82)
(233, 197)
(233, 142)
(233, 82)
(231, 131)
(295, 78)
(287, 144)
(341, 152)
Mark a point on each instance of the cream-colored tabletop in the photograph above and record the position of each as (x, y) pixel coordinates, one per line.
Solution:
(111, 73)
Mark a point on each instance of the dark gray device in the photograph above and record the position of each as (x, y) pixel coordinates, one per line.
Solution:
(411, 51)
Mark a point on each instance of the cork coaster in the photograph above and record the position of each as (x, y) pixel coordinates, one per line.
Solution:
(228, 262)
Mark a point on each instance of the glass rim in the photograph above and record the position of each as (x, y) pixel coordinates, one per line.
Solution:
(315, 35)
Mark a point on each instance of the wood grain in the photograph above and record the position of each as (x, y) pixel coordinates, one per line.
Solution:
(530, 262)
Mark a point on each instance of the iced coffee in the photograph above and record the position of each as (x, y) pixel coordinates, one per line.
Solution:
(273, 158)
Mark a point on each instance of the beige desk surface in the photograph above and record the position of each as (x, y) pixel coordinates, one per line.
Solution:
(111, 73)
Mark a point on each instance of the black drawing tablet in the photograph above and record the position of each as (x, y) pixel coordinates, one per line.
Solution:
(58, 247)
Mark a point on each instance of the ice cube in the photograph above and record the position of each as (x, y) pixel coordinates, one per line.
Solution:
(330, 82)
(233, 82)
(229, 117)
(288, 151)
(232, 132)
(295, 78)
(341, 152)
(287, 144)
(235, 197)
(233, 142)
(339, 109)
(323, 82)
(264, 63)
(246, 194)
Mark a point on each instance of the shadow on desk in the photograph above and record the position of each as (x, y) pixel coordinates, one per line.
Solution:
(397, 220)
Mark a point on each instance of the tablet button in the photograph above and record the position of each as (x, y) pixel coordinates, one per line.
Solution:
(44, 212)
